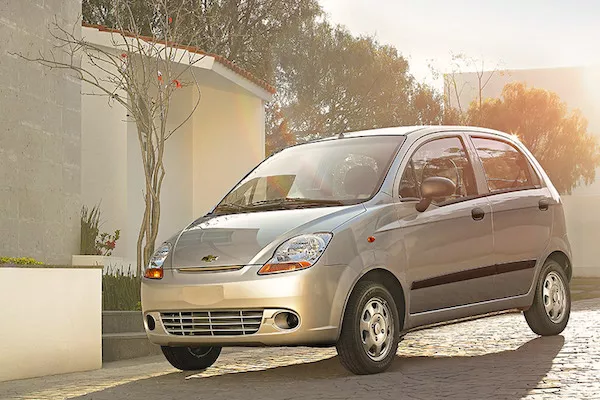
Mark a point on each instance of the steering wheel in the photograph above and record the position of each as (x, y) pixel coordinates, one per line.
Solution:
(456, 170)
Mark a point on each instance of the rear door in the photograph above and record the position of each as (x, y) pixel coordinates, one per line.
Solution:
(449, 247)
(521, 212)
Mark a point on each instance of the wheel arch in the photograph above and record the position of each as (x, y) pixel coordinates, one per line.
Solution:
(391, 283)
(563, 260)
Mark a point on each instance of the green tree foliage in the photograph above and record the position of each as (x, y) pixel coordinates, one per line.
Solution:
(243, 31)
(279, 135)
(330, 81)
(558, 138)
(114, 13)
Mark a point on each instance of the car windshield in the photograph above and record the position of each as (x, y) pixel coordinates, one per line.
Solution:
(327, 173)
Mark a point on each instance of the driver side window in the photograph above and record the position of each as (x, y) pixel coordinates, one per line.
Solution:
(444, 157)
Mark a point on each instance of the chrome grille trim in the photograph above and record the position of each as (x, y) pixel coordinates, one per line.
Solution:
(210, 269)
(212, 323)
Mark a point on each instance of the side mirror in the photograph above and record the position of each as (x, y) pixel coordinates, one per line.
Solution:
(433, 187)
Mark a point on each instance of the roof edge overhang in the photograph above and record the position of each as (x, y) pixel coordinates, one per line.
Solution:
(103, 36)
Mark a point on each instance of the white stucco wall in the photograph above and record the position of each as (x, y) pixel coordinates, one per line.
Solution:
(583, 219)
(53, 325)
(104, 160)
(209, 154)
(231, 144)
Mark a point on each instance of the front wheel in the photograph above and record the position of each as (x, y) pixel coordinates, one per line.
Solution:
(191, 358)
(549, 313)
(370, 330)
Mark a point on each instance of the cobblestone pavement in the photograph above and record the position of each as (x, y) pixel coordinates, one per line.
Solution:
(496, 357)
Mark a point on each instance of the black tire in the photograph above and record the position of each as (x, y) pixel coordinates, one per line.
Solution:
(191, 358)
(536, 316)
(350, 346)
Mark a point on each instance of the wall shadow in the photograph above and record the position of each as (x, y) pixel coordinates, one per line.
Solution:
(507, 375)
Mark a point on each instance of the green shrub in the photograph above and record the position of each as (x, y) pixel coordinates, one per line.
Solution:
(19, 261)
(89, 230)
(120, 291)
(92, 241)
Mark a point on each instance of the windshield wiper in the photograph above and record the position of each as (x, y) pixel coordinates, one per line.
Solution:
(230, 207)
(294, 201)
(280, 203)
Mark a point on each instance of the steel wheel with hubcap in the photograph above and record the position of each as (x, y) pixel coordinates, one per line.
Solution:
(370, 330)
(191, 358)
(554, 297)
(549, 313)
(376, 329)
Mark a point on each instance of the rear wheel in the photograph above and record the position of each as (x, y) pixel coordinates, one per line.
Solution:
(370, 330)
(551, 306)
(191, 358)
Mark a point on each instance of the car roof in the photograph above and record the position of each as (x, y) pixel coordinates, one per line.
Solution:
(420, 130)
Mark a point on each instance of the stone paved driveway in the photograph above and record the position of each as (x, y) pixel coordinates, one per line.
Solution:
(496, 357)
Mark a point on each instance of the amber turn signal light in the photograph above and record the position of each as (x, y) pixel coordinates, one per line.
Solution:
(154, 273)
(283, 267)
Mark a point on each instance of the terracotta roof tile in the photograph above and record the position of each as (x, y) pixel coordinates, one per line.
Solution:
(220, 59)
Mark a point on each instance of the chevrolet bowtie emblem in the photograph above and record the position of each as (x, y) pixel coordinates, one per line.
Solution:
(210, 258)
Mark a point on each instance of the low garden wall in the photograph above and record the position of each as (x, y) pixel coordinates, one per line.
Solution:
(51, 320)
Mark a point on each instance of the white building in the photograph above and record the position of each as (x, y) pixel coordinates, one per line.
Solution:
(222, 141)
(579, 88)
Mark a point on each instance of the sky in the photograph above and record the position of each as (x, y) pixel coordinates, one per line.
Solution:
(514, 34)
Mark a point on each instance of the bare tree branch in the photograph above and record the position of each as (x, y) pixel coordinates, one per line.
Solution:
(143, 74)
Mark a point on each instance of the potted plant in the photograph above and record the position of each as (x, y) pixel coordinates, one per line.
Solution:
(96, 248)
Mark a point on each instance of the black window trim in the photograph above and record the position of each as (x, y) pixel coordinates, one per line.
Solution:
(501, 139)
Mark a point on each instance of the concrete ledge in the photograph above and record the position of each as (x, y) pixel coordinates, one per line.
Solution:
(123, 346)
(51, 321)
(123, 336)
(122, 322)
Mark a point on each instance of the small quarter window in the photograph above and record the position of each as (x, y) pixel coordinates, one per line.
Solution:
(506, 168)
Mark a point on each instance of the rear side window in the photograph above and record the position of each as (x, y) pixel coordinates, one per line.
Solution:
(506, 168)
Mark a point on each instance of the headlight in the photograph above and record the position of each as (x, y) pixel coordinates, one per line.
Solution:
(297, 253)
(154, 270)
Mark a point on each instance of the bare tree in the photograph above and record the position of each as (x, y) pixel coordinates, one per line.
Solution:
(142, 72)
(454, 87)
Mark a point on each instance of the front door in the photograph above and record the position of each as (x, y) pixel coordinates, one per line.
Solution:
(449, 247)
(521, 213)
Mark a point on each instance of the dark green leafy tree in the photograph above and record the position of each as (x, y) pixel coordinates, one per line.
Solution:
(330, 81)
(244, 31)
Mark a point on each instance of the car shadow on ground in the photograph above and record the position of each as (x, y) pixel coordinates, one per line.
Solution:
(508, 374)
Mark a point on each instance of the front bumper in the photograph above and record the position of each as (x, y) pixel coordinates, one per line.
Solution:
(317, 295)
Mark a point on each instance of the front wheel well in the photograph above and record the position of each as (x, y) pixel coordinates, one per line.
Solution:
(391, 283)
(562, 259)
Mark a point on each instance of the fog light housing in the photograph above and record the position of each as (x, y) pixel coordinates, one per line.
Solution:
(286, 320)
(150, 322)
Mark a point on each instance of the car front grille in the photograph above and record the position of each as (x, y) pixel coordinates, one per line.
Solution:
(212, 323)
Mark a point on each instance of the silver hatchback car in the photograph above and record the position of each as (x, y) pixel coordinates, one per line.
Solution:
(354, 240)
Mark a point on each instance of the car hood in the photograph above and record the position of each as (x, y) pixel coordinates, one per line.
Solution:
(237, 239)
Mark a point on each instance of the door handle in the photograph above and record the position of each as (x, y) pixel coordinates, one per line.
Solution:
(544, 204)
(477, 214)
